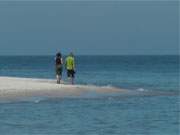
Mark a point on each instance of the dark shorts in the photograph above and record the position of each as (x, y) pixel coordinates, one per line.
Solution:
(70, 73)
(59, 70)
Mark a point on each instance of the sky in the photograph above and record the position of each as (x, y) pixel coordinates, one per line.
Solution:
(89, 28)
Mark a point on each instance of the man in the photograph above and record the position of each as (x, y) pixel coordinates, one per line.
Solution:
(59, 63)
(70, 67)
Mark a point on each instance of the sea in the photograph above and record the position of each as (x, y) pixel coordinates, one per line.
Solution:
(153, 110)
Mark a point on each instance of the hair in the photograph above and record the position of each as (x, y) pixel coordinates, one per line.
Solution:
(71, 54)
(58, 54)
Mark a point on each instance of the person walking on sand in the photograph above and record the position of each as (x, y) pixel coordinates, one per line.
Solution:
(70, 67)
(59, 67)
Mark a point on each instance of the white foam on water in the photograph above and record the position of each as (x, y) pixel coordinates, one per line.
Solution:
(141, 89)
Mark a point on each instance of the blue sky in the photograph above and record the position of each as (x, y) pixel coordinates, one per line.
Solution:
(103, 28)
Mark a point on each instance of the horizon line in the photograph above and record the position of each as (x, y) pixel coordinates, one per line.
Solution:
(100, 55)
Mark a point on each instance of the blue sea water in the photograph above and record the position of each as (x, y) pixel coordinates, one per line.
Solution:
(149, 114)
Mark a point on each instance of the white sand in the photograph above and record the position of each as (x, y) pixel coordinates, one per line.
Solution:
(14, 88)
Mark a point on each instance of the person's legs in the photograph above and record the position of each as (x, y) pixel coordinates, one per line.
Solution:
(58, 74)
(72, 77)
(58, 79)
(72, 80)
(70, 74)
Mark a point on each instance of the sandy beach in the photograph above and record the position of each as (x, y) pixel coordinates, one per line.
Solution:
(15, 88)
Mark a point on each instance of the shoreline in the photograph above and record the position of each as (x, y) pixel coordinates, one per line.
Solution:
(18, 88)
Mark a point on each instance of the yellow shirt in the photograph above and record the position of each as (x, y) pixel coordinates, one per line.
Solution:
(70, 63)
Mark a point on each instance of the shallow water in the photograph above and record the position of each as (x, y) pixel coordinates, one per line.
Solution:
(151, 107)
(132, 115)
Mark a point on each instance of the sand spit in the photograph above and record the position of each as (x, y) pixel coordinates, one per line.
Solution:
(14, 88)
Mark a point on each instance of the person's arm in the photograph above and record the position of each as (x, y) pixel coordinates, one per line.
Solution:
(74, 64)
(61, 60)
(66, 63)
(55, 61)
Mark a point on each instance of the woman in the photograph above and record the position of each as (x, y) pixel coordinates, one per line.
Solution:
(59, 66)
